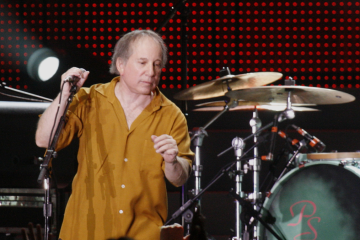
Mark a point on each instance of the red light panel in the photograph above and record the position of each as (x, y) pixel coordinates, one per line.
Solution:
(317, 43)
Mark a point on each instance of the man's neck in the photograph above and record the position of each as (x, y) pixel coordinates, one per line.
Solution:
(130, 99)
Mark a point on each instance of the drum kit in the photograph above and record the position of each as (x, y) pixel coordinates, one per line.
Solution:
(295, 206)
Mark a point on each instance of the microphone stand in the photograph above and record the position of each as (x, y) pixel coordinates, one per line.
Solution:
(45, 166)
(185, 11)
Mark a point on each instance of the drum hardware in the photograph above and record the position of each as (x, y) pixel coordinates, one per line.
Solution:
(197, 139)
(216, 87)
(255, 124)
(314, 142)
(262, 96)
(355, 164)
(238, 145)
(249, 213)
(221, 173)
(347, 158)
(291, 160)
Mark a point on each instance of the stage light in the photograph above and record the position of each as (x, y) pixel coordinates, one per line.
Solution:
(42, 64)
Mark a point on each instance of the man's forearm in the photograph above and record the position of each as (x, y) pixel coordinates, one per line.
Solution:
(46, 122)
(178, 171)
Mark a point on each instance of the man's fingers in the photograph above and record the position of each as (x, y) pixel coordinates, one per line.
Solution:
(165, 142)
(166, 148)
(157, 139)
(31, 231)
(24, 235)
(153, 137)
(38, 232)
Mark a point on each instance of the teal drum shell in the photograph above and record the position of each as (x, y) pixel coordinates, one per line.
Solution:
(318, 201)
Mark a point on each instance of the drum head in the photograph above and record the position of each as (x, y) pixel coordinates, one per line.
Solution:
(318, 201)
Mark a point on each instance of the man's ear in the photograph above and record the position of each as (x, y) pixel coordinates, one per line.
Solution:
(120, 66)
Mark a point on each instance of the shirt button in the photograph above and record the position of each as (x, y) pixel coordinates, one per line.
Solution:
(125, 159)
(121, 211)
(123, 186)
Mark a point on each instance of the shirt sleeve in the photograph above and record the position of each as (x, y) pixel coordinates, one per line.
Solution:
(180, 133)
(73, 124)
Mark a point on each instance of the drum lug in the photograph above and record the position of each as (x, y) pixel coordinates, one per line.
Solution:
(254, 165)
(250, 196)
(246, 168)
(300, 159)
(355, 164)
(342, 163)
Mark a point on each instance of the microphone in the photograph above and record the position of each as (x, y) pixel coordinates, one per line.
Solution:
(299, 144)
(72, 79)
(274, 129)
(315, 143)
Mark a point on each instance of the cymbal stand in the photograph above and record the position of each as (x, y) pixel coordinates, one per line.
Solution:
(198, 138)
(255, 124)
(238, 145)
(243, 207)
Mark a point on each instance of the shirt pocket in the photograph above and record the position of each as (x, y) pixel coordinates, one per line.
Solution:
(151, 160)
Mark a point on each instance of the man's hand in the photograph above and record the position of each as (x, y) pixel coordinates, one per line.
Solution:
(81, 73)
(166, 146)
(176, 168)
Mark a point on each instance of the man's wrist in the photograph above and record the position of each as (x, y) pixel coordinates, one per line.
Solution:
(174, 161)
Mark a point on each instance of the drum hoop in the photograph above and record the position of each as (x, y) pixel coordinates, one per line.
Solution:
(274, 188)
(334, 156)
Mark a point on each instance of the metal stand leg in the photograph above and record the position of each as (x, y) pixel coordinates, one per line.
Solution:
(239, 146)
(47, 208)
(255, 124)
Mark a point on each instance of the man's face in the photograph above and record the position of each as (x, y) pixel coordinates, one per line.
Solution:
(141, 73)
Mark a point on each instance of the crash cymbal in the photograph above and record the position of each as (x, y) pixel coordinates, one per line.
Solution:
(218, 87)
(276, 108)
(299, 95)
(248, 103)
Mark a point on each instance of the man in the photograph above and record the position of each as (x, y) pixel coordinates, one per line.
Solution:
(130, 136)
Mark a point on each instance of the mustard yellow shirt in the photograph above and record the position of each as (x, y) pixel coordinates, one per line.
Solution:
(119, 189)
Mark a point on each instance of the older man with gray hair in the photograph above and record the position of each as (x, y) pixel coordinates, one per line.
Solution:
(130, 137)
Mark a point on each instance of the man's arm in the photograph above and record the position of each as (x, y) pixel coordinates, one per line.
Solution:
(47, 119)
(176, 168)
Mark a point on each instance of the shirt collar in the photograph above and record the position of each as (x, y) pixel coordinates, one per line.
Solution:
(108, 91)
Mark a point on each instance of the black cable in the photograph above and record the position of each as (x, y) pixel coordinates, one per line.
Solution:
(57, 112)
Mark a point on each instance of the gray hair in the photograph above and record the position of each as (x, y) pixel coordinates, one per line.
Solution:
(123, 48)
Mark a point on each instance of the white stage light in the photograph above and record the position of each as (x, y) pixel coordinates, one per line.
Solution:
(43, 64)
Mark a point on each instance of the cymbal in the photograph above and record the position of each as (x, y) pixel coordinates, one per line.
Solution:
(248, 103)
(218, 87)
(276, 108)
(299, 95)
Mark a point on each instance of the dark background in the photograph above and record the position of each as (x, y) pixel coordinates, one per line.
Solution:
(316, 43)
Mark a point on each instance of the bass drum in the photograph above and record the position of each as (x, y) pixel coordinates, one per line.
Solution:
(320, 200)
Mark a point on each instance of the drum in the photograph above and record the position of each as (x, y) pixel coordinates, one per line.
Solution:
(317, 200)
